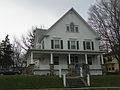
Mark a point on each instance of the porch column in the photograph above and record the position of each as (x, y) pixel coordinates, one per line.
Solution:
(30, 68)
(86, 67)
(86, 61)
(69, 58)
(31, 57)
(51, 58)
(70, 66)
(102, 62)
(51, 65)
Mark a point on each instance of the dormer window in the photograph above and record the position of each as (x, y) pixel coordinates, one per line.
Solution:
(72, 27)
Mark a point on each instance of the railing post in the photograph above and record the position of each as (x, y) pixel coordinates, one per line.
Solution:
(88, 79)
(81, 72)
(64, 80)
(102, 61)
(60, 73)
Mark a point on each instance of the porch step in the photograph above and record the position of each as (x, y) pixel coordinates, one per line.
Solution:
(75, 82)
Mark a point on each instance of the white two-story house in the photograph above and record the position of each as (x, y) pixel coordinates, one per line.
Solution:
(70, 41)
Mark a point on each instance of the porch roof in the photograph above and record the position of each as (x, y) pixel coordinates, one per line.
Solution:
(64, 51)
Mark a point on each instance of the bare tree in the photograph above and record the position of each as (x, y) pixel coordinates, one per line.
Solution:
(105, 19)
(28, 40)
(19, 54)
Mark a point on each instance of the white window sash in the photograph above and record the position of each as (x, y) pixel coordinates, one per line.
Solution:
(75, 42)
(59, 43)
(90, 45)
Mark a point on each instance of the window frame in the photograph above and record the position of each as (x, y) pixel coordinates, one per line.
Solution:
(75, 44)
(60, 44)
(91, 45)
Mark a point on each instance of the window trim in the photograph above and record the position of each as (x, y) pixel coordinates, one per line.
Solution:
(76, 45)
(91, 44)
(53, 44)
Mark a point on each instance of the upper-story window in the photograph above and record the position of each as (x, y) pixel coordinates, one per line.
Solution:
(72, 27)
(73, 44)
(56, 44)
(88, 45)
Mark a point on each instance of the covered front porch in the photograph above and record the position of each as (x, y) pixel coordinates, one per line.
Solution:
(52, 62)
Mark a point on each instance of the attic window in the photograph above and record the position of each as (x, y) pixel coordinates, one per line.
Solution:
(72, 27)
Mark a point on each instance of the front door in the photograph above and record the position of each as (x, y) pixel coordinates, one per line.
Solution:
(74, 60)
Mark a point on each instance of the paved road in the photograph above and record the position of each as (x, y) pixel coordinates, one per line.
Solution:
(86, 88)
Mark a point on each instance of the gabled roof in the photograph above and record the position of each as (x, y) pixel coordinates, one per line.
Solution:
(72, 9)
(44, 32)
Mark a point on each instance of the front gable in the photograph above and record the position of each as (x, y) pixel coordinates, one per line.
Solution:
(60, 27)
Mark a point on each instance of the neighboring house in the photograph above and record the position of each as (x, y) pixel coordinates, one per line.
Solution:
(111, 63)
(68, 44)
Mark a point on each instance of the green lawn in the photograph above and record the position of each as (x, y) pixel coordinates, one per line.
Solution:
(29, 82)
(105, 81)
(38, 82)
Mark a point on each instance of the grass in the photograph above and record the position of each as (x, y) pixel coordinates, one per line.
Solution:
(105, 81)
(29, 82)
(39, 82)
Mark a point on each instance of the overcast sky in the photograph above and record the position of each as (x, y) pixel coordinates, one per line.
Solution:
(18, 16)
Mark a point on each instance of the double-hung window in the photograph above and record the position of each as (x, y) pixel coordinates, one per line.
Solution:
(57, 44)
(88, 45)
(73, 44)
